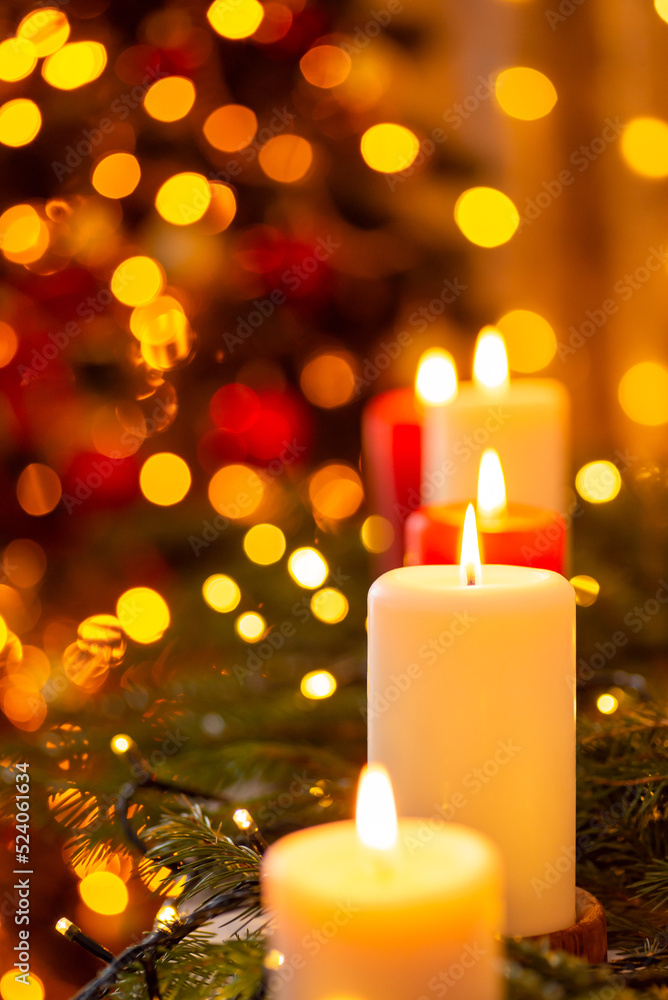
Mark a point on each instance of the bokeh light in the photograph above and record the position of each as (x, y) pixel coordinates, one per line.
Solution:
(104, 892)
(170, 99)
(143, 613)
(47, 28)
(38, 489)
(598, 482)
(231, 127)
(23, 234)
(221, 592)
(531, 341)
(183, 199)
(318, 684)
(325, 66)
(329, 605)
(137, 280)
(586, 589)
(10, 989)
(143, 318)
(9, 342)
(24, 563)
(607, 704)
(234, 407)
(377, 534)
(486, 217)
(235, 18)
(308, 568)
(286, 158)
(165, 478)
(222, 209)
(236, 491)
(116, 175)
(102, 635)
(389, 148)
(661, 7)
(525, 93)
(644, 146)
(250, 626)
(18, 59)
(20, 121)
(643, 393)
(75, 65)
(4, 632)
(328, 379)
(336, 491)
(264, 544)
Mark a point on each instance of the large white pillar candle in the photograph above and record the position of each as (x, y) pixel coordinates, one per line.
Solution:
(525, 420)
(378, 911)
(471, 710)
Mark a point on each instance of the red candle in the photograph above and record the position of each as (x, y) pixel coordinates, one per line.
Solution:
(392, 449)
(392, 446)
(510, 534)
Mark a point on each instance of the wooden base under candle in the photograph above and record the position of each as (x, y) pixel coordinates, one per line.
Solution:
(588, 937)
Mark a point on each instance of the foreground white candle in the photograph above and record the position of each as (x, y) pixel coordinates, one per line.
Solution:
(471, 709)
(525, 420)
(376, 911)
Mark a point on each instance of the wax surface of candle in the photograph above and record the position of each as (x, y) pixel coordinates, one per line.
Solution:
(472, 711)
(526, 422)
(349, 927)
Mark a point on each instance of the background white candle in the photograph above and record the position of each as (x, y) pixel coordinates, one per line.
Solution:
(471, 709)
(525, 420)
(384, 919)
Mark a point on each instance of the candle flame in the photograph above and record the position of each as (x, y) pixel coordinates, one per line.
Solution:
(376, 813)
(436, 379)
(469, 562)
(491, 485)
(490, 362)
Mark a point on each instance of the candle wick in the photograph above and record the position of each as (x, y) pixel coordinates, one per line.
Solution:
(470, 575)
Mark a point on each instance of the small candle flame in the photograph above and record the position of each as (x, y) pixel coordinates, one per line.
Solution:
(436, 379)
(471, 570)
(376, 813)
(490, 362)
(491, 485)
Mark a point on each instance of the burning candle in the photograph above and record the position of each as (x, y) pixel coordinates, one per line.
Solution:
(383, 910)
(471, 709)
(524, 420)
(510, 533)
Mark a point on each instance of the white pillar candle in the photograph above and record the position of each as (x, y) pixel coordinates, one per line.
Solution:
(378, 911)
(471, 709)
(525, 420)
